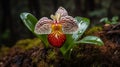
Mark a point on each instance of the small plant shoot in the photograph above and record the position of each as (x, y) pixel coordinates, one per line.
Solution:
(112, 21)
(61, 31)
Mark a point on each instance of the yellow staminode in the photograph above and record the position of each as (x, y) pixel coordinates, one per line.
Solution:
(56, 27)
(56, 17)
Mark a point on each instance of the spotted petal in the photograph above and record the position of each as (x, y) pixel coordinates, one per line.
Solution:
(62, 11)
(43, 26)
(69, 24)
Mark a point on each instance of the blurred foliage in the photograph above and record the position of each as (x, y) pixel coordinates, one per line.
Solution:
(6, 34)
(102, 10)
(98, 12)
(114, 20)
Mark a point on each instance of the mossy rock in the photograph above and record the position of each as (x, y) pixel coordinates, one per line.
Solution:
(28, 43)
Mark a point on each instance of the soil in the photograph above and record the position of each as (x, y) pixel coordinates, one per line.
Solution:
(82, 55)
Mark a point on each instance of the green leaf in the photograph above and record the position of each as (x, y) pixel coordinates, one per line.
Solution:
(83, 24)
(105, 19)
(67, 45)
(29, 20)
(43, 37)
(91, 40)
(115, 18)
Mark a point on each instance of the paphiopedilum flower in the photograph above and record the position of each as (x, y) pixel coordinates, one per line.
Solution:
(57, 28)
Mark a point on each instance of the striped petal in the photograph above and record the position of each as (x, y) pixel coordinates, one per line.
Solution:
(43, 26)
(69, 25)
(62, 11)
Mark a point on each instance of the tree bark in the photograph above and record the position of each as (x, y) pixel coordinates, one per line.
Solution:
(6, 23)
(6, 18)
(89, 5)
(78, 10)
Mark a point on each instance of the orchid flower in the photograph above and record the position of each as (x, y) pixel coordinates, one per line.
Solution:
(60, 29)
(57, 27)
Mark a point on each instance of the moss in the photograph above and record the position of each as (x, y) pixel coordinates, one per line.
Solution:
(93, 30)
(28, 43)
(3, 51)
(24, 44)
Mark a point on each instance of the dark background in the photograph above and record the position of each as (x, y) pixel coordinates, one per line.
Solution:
(12, 28)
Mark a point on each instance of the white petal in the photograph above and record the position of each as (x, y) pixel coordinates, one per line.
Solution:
(62, 11)
(69, 24)
(43, 26)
